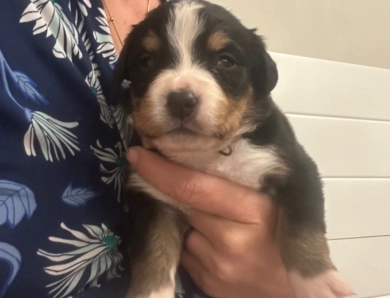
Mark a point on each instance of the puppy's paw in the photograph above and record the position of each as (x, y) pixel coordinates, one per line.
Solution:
(165, 292)
(326, 285)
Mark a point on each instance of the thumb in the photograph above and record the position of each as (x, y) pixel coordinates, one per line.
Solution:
(198, 190)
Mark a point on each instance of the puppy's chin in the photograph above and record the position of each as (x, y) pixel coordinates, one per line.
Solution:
(183, 141)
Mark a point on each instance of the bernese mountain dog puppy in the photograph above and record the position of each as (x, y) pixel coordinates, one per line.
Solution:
(200, 96)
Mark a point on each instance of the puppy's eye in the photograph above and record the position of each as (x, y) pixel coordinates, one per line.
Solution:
(146, 62)
(226, 62)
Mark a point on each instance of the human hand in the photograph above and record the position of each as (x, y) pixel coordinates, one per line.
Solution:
(232, 253)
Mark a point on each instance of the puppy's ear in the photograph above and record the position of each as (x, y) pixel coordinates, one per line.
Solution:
(264, 71)
(122, 66)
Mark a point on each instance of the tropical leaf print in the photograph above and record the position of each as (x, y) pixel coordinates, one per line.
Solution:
(11, 255)
(92, 79)
(123, 123)
(93, 82)
(79, 16)
(112, 165)
(77, 196)
(21, 81)
(16, 201)
(179, 287)
(83, 6)
(88, 47)
(53, 137)
(95, 254)
(50, 18)
(106, 45)
(28, 88)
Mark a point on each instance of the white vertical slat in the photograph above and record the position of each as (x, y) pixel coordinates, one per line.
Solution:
(346, 148)
(365, 263)
(320, 87)
(357, 207)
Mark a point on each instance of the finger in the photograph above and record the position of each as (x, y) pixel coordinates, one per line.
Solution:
(201, 249)
(215, 228)
(198, 273)
(219, 232)
(193, 266)
(198, 190)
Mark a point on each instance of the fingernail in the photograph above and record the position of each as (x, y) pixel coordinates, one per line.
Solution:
(132, 156)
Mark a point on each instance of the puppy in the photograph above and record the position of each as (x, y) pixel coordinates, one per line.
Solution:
(201, 86)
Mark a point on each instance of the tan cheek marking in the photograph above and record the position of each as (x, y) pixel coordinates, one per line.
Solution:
(151, 42)
(218, 40)
(143, 120)
(231, 114)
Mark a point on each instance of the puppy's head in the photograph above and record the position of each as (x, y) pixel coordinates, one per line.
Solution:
(199, 78)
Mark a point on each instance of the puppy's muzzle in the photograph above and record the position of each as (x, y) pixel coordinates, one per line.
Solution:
(182, 104)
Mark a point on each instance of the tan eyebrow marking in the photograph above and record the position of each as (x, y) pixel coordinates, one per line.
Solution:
(151, 42)
(218, 40)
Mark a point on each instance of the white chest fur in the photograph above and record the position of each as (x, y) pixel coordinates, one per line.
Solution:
(247, 165)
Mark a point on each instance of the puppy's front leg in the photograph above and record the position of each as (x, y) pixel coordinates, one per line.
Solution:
(302, 242)
(305, 254)
(156, 259)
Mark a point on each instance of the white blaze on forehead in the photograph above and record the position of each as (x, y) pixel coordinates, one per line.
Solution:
(184, 26)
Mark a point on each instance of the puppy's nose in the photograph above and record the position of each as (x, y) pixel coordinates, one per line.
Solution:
(181, 103)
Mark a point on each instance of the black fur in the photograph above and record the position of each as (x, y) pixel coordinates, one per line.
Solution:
(299, 192)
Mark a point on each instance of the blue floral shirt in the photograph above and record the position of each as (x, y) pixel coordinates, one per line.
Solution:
(62, 147)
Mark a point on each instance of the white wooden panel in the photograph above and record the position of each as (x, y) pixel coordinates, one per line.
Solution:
(320, 87)
(346, 148)
(387, 296)
(357, 207)
(365, 263)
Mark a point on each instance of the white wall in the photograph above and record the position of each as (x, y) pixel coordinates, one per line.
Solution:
(353, 31)
(341, 115)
